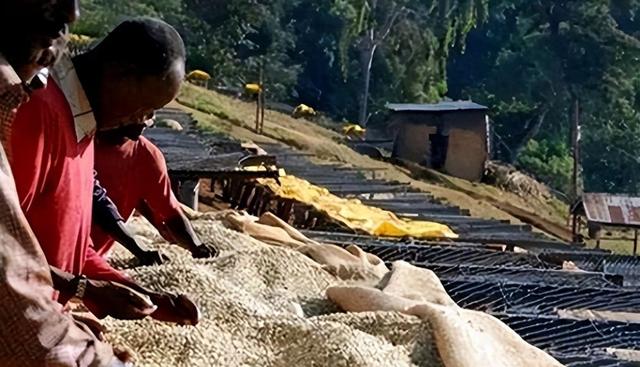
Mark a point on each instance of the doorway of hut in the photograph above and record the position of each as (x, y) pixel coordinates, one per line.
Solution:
(439, 144)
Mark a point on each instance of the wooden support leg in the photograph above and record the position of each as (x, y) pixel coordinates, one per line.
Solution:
(188, 193)
(236, 191)
(247, 190)
(254, 202)
(286, 212)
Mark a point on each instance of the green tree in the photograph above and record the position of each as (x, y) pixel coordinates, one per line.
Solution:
(100, 16)
(535, 59)
(436, 25)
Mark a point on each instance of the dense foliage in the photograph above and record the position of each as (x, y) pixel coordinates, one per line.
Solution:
(318, 52)
(533, 60)
(530, 61)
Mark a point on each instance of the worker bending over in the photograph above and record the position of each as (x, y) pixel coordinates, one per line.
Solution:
(134, 173)
(35, 331)
(137, 68)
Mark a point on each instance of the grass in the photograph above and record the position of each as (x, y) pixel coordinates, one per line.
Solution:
(219, 113)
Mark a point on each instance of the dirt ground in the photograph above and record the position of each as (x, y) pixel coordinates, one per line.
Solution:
(236, 118)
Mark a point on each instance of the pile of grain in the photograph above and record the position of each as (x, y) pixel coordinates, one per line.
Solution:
(261, 306)
(266, 305)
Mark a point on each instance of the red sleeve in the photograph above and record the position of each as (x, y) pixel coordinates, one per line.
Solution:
(157, 191)
(34, 146)
(97, 268)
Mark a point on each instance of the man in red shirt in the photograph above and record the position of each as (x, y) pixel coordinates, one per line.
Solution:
(134, 173)
(136, 69)
(34, 329)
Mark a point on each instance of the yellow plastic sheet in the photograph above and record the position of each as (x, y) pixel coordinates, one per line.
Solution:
(252, 88)
(198, 75)
(353, 129)
(303, 110)
(353, 213)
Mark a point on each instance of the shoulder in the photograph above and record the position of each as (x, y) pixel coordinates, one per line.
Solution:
(148, 148)
(51, 94)
(151, 154)
(46, 101)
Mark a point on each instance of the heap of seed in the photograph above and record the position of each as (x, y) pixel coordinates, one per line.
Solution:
(261, 306)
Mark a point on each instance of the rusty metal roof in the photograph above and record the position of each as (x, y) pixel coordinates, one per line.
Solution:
(621, 210)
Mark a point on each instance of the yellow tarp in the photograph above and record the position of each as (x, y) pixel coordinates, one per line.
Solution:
(353, 213)
(353, 129)
(198, 75)
(252, 88)
(303, 110)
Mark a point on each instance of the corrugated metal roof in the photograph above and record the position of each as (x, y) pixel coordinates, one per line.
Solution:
(612, 209)
(436, 107)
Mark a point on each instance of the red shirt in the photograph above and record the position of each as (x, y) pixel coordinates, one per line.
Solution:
(134, 174)
(54, 177)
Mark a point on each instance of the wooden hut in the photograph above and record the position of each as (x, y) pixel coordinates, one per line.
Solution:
(449, 136)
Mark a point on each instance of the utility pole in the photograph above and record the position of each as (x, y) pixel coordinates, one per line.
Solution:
(575, 145)
(575, 177)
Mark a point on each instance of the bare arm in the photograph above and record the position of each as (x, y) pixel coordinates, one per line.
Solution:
(107, 217)
(181, 230)
(118, 230)
(178, 229)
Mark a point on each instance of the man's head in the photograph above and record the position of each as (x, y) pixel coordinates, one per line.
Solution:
(135, 70)
(33, 32)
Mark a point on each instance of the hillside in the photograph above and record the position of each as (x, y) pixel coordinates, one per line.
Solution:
(222, 114)
(521, 58)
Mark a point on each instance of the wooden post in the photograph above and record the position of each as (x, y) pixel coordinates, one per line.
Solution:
(188, 193)
(260, 102)
(258, 113)
(262, 97)
(574, 228)
(635, 242)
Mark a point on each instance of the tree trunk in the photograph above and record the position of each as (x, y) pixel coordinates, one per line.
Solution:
(530, 133)
(366, 56)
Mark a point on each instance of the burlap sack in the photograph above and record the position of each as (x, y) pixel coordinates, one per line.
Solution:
(463, 337)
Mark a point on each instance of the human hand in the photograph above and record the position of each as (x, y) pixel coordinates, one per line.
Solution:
(89, 320)
(124, 357)
(117, 362)
(175, 308)
(204, 251)
(151, 257)
(104, 299)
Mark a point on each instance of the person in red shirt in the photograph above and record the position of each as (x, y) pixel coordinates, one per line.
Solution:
(35, 329)
(134, 174)
(136, 69)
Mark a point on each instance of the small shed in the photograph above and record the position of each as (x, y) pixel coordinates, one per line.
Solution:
(449, 136)
(607, 211)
